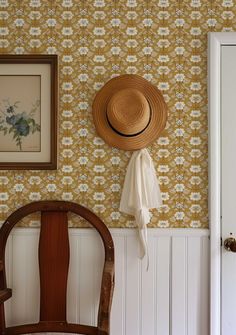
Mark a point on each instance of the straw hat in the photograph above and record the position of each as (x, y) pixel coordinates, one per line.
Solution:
(129, 112)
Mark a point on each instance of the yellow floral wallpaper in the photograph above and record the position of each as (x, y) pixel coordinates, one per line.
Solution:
(165, 41)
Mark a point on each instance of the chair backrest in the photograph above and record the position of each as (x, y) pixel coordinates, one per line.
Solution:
(53, 269)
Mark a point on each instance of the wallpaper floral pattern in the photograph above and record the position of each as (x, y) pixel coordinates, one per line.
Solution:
(165, 41)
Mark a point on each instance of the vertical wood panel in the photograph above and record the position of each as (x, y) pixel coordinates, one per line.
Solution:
(179, 286)
(172, 298)
(86, 280)
(119, 299)
(194, 285)
(73, 289)
(132, 290)
(147, 289)
(25, 278)
(205, 286)
(8, 304)
(162, 285)
(98, 260)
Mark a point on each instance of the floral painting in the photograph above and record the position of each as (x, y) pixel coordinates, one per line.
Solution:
(18, 123)
(20, 113)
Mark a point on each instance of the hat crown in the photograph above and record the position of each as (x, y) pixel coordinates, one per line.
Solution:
(128, 112)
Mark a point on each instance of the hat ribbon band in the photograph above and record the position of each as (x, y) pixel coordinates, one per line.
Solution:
(129, 135)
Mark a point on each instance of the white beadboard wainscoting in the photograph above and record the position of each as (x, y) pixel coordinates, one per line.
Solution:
(171, 298)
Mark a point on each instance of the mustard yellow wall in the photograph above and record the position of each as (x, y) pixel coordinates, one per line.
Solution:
(163, 41)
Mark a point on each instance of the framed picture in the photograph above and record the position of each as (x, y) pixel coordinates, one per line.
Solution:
(28, 112)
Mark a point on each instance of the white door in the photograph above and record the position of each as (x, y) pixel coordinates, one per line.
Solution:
(228, 188)
(222, 181)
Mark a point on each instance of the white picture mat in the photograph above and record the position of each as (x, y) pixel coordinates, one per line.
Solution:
(42, 70)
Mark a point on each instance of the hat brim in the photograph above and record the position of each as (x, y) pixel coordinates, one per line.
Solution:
(156, 102)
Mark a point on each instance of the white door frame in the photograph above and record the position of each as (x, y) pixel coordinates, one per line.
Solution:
(215, 41)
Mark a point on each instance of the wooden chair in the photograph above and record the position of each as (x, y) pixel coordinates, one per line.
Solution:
(53, 269)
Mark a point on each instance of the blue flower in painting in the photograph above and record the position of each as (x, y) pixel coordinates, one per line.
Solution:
(12, 119)
(19, 124)
(22, 127)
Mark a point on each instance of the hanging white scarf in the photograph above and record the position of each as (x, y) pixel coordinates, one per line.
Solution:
(141, 192)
